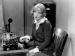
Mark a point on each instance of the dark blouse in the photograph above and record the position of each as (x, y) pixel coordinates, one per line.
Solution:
(42, 36)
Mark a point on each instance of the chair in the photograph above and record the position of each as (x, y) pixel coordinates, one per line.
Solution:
(60, 37)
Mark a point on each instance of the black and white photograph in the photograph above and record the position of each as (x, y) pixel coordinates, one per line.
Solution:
(37, 27)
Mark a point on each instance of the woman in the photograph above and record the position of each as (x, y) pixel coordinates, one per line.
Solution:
(41, 30)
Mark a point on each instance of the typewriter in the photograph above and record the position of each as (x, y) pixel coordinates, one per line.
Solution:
(9, 41)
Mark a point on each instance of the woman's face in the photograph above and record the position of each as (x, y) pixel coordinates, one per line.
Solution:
(37, 15)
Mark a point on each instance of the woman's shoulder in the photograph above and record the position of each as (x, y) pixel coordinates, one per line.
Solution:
(47, 23)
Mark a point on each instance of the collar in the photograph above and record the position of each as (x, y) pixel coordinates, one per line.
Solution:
(40, 21)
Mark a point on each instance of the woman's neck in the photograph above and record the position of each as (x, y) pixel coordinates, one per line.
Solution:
(39, 19)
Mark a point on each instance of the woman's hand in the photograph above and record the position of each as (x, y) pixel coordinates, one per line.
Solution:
(32, 52)
(35, 50)
(25, 38)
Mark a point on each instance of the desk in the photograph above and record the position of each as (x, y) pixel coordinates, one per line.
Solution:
(13, 52)
(18, 53)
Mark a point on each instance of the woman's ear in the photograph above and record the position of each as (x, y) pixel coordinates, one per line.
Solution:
(44, 14)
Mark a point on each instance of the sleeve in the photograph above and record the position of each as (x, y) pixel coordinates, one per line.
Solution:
(32, 35)
(31, 43)
(47, 35)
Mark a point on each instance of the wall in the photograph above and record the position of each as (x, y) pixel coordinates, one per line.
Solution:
(62, 14)
(71, 24)
(1, 20)
(28, 17)
(1, 15)
(14, 9)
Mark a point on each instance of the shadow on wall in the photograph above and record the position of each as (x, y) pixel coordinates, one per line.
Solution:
(72, 36)
(68, 48)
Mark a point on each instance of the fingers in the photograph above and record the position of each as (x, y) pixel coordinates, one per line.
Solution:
(25, 38)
